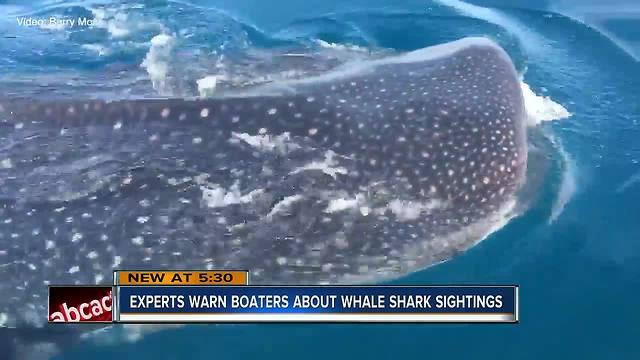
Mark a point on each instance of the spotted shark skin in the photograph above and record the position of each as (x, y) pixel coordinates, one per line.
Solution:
(366, 173)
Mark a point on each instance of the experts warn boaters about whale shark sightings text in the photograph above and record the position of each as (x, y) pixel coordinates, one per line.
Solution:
(316, 301)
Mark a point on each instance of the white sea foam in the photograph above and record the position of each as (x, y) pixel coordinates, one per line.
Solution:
(284, 205)
(404, 210)
(115, 22)
(328, 165)
(6, 163)
(541, 108)
(157, 61)
(216, 196)
(568, 182)
(99, 49)
(344, 203)
(207, 85)
(348, 47)
(268, 143)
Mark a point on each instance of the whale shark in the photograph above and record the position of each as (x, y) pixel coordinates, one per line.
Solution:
(368, 172)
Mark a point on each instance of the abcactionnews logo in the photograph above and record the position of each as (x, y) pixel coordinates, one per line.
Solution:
(80, 304)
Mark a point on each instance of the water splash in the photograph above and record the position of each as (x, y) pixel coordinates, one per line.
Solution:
(541, 108)
(157, 61)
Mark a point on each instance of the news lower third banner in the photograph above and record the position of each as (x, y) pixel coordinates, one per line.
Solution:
(219, 304)
(225, 296)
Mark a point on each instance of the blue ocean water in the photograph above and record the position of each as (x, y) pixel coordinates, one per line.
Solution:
(575, 253)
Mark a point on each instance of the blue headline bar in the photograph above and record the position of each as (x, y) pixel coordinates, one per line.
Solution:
(318, 299)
